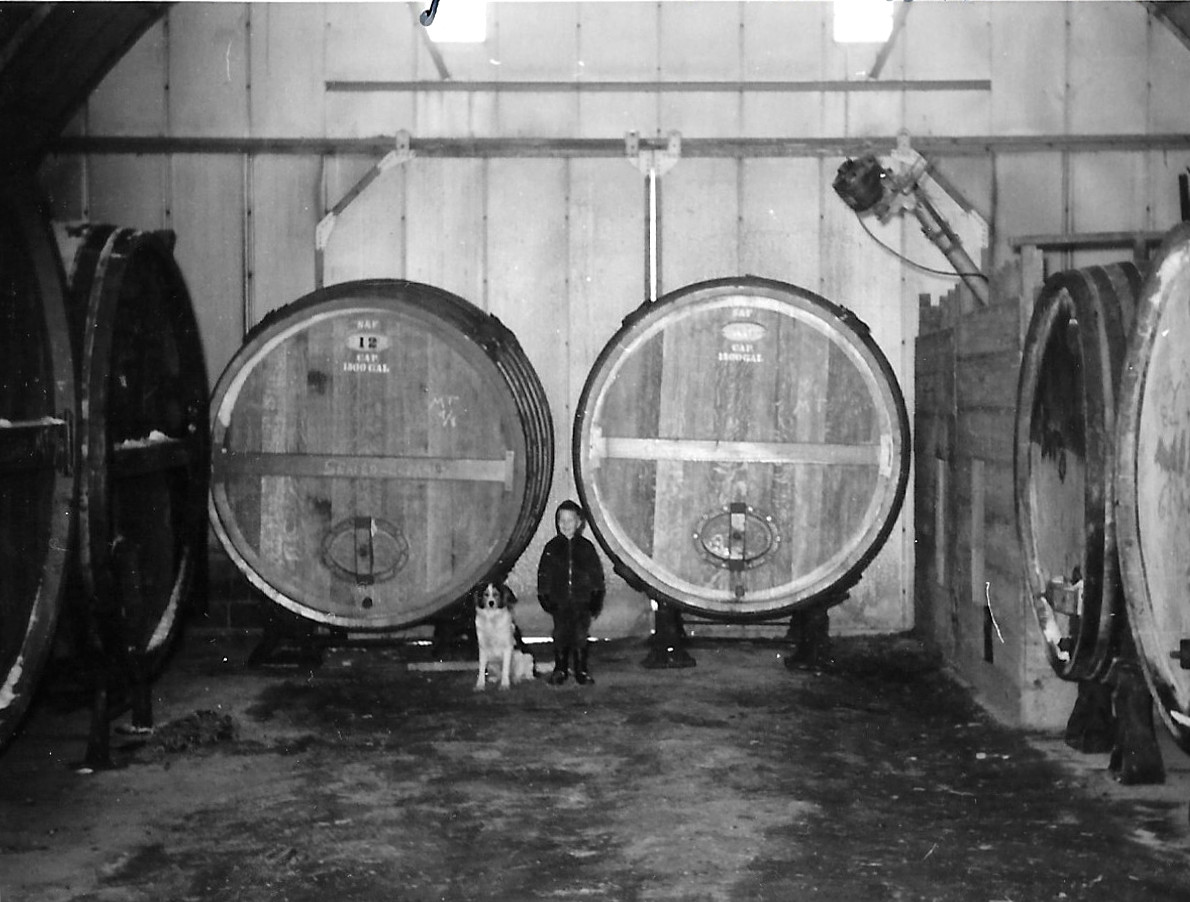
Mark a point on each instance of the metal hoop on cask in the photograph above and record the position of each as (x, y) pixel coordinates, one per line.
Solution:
(37, 481)
(1152, 478)
(742, 448)
(1063, 462)
(380, 447)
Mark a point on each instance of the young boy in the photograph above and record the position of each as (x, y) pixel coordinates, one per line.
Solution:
(570, 588)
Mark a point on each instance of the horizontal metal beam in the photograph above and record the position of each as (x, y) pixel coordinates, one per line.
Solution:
(1088, 240)
(976, 145)
(657, 87)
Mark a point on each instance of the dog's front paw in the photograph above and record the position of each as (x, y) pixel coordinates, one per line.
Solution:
(480, 686)
(504, 687)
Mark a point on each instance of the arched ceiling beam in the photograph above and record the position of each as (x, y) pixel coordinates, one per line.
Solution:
(52, 59)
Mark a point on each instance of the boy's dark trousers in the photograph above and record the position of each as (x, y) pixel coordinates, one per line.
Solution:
(572, 626)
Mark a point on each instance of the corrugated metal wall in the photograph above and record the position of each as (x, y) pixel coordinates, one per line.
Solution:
(555, 247)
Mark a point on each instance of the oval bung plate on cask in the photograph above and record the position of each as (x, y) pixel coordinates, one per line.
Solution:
(1153, 481)
(379, 448)
(742, 448)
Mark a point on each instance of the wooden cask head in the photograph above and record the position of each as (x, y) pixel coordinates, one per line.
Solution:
(742, 447)
(143, 438)
(1153, 481)
(380, 447)
(1066, 393)
(37, 410)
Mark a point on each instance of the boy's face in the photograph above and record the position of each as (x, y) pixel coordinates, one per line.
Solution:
(568, 523)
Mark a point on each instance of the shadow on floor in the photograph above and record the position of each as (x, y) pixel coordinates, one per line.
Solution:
(374, 777)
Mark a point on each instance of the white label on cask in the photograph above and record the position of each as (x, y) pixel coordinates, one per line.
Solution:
(367, 346)
(367, 342)
(742, 338)
(743, 332)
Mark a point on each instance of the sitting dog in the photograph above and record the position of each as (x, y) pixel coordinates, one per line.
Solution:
(498, 637)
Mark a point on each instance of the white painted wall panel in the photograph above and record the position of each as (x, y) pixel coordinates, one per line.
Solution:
(613, 114)
(548, 115)
(1108, 86)
(942, 41)
(784, 41)
(536, 41)
(780, 214)
(699, 222)
(285, 206)
(618, 42)
(127, 190)
(702, 115)
(368, 115)
(780, 115)
(208, 217)
(703, 43)
(371, 41)
(454, 114)
(463, 62)
(1029, 197)
(287, 50)
(208, 69)
(870, 113)
(444, 226)
(1028, 67)
(1169, 74)
(1108, 193)
(607, 258)
(130, 100)
(948, 113)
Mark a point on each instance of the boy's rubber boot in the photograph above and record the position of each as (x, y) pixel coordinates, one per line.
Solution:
(581, 675)
(561, 671)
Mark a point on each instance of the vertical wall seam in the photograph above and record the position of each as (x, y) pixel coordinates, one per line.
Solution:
(568, 407)
(1147, 156)
(167, 170)
(1067, 121)
(484, 184)
(246, 301)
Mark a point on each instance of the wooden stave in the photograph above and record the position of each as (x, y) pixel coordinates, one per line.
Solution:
(830, 593)
(481, 332)
(1105, 296)
(105, 256)
(23, 669)
(1153, 650)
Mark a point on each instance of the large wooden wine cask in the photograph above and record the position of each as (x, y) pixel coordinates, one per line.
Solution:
(742, 448)
(143, 437)
(1153, 481)
(1064, 458)
(379, 448)
(37, 410)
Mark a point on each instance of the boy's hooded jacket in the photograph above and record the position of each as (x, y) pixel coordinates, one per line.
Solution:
(570, 574)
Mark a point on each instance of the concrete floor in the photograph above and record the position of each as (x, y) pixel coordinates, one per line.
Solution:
(370, 779)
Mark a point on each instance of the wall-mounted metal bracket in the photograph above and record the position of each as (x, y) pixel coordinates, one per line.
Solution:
(649, 156)
(401, 153)
(653, 160)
